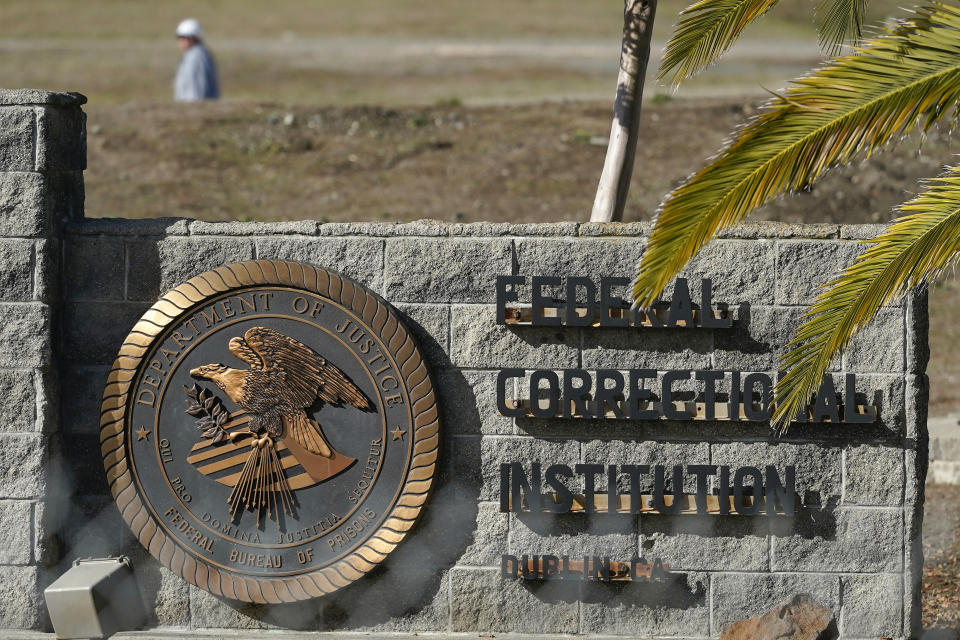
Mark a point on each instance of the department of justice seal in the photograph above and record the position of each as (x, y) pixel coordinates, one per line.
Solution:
(270, 431)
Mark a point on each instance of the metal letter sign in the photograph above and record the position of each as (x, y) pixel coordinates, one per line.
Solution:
(270, 431)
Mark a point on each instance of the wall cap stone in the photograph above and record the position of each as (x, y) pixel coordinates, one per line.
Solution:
(295, 227)
(40, 96)
(177, 226)
(129, 227)
(384, 229)
(615, 229)
(499, 229)
(862, 231)
(819, 230)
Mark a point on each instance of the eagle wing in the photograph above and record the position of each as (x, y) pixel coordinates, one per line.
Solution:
(307, 374)
(307, 433)
(239, 347)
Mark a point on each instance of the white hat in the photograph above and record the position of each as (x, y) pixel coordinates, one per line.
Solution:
(189, 28)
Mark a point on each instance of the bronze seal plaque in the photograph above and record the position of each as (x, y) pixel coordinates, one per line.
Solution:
(270, 431)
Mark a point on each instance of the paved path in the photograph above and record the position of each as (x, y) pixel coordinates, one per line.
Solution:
(365, 53)
(426, 57)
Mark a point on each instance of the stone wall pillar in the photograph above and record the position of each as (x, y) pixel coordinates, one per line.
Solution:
(42, 157)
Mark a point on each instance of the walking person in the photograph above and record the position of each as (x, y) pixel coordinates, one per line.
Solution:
(196, 77)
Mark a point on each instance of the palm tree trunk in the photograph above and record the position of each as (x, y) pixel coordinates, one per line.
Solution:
(614, 184)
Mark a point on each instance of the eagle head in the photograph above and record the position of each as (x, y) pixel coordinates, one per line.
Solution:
(209, 371)
(232, 381)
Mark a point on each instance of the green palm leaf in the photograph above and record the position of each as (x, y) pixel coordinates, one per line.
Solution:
(915, 249)
(706, 30)
(839, 21)
(906, 77)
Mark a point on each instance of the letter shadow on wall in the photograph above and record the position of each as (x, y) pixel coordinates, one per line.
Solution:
(678, 592)
(739, 337)
(815, 518)
(549, 527)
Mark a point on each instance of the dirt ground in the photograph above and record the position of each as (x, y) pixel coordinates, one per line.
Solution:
(533, 162)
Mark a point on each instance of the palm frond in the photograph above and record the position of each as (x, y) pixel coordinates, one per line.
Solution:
(706, 30)
(839, 21)
(917, 248)
(905, 78)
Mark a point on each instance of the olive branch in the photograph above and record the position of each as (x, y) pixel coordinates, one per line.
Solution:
(209, 409)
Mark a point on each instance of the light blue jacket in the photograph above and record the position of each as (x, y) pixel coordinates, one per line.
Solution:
(196, 77)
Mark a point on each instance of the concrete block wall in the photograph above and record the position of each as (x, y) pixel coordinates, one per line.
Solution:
(854, 544)
(42, 157)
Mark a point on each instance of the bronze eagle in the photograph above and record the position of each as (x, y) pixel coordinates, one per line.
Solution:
(285, 378)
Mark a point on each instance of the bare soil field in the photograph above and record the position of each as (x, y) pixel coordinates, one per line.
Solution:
(534, 162)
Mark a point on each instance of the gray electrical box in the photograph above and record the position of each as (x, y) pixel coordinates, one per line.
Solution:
(95, 599)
